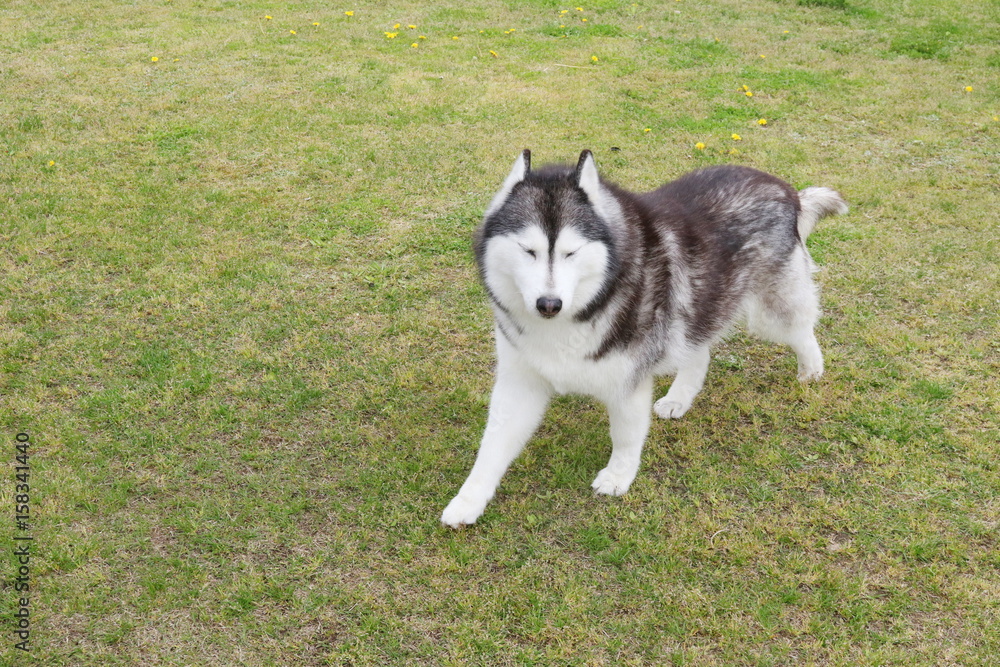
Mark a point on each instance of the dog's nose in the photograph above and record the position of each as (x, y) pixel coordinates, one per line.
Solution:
(548, 306)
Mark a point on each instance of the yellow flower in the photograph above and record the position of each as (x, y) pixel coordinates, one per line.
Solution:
(647, 130)
(579, 9)
(316, 23)
(700, 146)
(762, 121)
(494, 54)
(584, 20)
(565, 11)
(412, 27)
(749, 93)
(733, 151)
(763, 56)
(391, 35)
(414, 45)
(455, 37)
(395, 27)
(785, 32)
(52, 163)
(267, 17)
(293, 32)
(745, 88)
(594, 58)
(968, 89)
(155, 59)
(737, 137)
(348, 13)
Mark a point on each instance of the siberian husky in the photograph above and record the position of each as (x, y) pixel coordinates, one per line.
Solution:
(596, 290)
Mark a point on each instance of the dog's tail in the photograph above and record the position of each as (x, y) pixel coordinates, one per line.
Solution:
(818, 203)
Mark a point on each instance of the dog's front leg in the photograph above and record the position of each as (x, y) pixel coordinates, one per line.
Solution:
(629, 417)
(517, 404)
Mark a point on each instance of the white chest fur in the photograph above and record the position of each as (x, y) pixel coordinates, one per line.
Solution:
(561, 354)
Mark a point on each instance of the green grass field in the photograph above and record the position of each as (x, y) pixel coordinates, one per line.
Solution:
(240, 322)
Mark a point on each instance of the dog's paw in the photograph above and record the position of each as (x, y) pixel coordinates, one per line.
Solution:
(810, 373)
(610, 484)
(461, 512)
(670, 409)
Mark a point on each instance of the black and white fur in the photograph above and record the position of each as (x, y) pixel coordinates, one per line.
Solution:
(596, 290)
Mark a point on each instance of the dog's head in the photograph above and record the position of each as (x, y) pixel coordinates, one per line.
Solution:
(546, 248)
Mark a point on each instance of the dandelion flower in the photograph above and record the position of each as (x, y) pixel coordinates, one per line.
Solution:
(700, 146)
(579, 9)
(763, 56)
(565, 11)
(414, 45)
(594, 58)
(647, 130)
(786, 32)
(412, 27)
(749, 93)
(155, 59)
(455, 37)
(348, 13)
(968, 89)
(316, 23)
(737, 137)
(52, 163)
(494, 54)
(762, 122)
(292, 32)
(745, 88)
(395, 27)
(391, 35)
(268, 18)
(584, 19)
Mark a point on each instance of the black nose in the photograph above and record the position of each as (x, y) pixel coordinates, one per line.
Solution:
(548, 307)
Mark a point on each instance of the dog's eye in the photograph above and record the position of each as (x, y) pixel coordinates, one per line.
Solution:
(569, 254)
(530, 252)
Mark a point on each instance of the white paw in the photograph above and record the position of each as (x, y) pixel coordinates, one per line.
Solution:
(671, 409)
(610, 484)
(809, 373)
(462, 512)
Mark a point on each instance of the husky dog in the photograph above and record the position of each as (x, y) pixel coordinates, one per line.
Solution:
(596, 290)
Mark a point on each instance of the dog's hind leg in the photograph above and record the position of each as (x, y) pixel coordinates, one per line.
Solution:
(517, 404)
(686, 385)
(787, 313)
(629, 417)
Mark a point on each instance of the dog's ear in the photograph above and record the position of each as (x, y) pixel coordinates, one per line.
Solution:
(587, 178)
(522, 167)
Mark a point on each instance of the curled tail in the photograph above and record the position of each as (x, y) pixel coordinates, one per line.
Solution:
(817, 203)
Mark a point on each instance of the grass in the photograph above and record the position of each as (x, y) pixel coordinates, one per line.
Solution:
(241, 324)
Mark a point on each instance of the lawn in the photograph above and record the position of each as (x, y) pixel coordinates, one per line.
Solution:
(241, 327)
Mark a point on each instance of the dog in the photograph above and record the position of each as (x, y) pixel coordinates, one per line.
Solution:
(596, 290)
